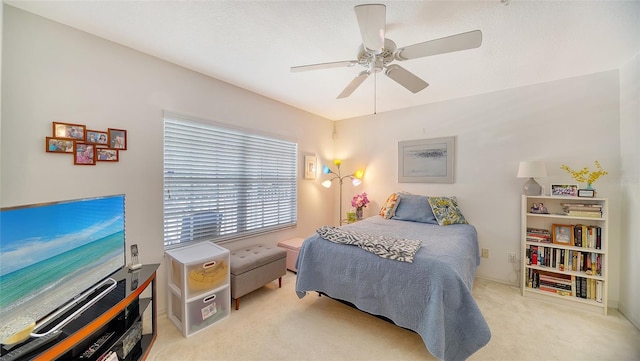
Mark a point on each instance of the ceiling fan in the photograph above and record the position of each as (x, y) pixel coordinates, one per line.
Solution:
(377, 52)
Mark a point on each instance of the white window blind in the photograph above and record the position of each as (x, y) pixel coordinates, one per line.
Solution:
(222, 183)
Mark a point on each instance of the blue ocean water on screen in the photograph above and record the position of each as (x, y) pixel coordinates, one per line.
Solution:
(32, 281)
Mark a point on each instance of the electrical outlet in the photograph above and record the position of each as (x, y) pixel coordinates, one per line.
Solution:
(512, 257)
(485, 253)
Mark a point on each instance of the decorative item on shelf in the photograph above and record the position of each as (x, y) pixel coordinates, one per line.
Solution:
(589, 193)
(355, 179)
(135, 263)
(586, 176)
(532, 170)
(539, 208)
(359, 202)
(351, 217)
(564, 190)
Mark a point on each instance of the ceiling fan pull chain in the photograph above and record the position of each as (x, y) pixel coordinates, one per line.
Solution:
(375, 96)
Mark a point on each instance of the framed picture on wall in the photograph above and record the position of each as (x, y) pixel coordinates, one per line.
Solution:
(84, 154)
(97, 137)
(118, 139)
(310, 166)
(69, 131)
(426, 160)
(58, 145)
(107, 155)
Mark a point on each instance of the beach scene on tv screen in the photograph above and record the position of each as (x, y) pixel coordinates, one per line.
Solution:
(51, 253)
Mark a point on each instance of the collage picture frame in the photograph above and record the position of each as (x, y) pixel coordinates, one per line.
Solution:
(88, 146)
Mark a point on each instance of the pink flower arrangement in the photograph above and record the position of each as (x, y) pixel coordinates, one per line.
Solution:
(359, 201)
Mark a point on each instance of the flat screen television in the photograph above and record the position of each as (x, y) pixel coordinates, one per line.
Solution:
(51, 253)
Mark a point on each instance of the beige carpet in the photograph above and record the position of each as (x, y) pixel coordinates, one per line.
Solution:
(273, 324)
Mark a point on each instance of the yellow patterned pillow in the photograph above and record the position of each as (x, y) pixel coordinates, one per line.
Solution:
(388, 210)
(446, 211)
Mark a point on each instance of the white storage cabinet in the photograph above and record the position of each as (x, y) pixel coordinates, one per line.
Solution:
(198, 286)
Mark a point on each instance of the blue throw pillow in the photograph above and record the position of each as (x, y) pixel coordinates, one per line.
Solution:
(414, 208)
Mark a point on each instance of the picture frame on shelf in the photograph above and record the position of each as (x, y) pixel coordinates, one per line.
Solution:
(58, 145)
(117, 139)
(426, 160)
(84, 154)
(69, 131)
(97, 137)
(310, 166)
(562, 234)
(564, 190)
(587, 193)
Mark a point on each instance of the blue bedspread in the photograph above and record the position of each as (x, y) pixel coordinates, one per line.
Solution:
(431, 296)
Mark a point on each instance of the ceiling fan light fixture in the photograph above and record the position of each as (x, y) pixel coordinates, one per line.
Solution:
(377, 52)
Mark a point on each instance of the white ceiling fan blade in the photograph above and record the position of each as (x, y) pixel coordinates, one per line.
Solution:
(405, 78)
(372, 19)
(355, 83)
(335, 64)
(464, 41)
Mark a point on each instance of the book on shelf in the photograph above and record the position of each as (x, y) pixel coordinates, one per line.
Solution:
(581, 205)
(599, 291)
(587, 236)
(577, 235)
(582, 209)
(538, 235)
(584, 214)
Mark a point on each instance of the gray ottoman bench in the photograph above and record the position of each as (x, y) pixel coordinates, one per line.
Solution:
(254, 266)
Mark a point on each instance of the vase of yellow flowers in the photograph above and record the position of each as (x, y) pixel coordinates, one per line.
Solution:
(586, 176)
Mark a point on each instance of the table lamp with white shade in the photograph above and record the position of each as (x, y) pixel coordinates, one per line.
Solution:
(532, 170)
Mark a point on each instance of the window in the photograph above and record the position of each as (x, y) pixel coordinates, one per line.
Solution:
(222, 183)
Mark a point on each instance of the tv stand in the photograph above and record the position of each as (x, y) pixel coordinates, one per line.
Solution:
(110, 284)
(117, 313)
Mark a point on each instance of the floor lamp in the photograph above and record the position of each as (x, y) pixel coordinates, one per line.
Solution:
(355, 179)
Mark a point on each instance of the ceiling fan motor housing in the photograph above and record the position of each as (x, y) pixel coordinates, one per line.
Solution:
(377, 62)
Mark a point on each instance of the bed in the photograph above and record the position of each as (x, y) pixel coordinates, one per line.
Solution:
(430, 295)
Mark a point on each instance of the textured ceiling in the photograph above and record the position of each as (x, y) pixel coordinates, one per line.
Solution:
(253, 44)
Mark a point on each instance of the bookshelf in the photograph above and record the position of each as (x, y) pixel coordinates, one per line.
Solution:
(564, 251)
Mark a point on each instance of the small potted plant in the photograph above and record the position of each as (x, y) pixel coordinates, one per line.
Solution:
(586, 176)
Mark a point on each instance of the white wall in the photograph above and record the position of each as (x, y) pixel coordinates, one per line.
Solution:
(573, 121)
(630, 182)
(53, 72)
